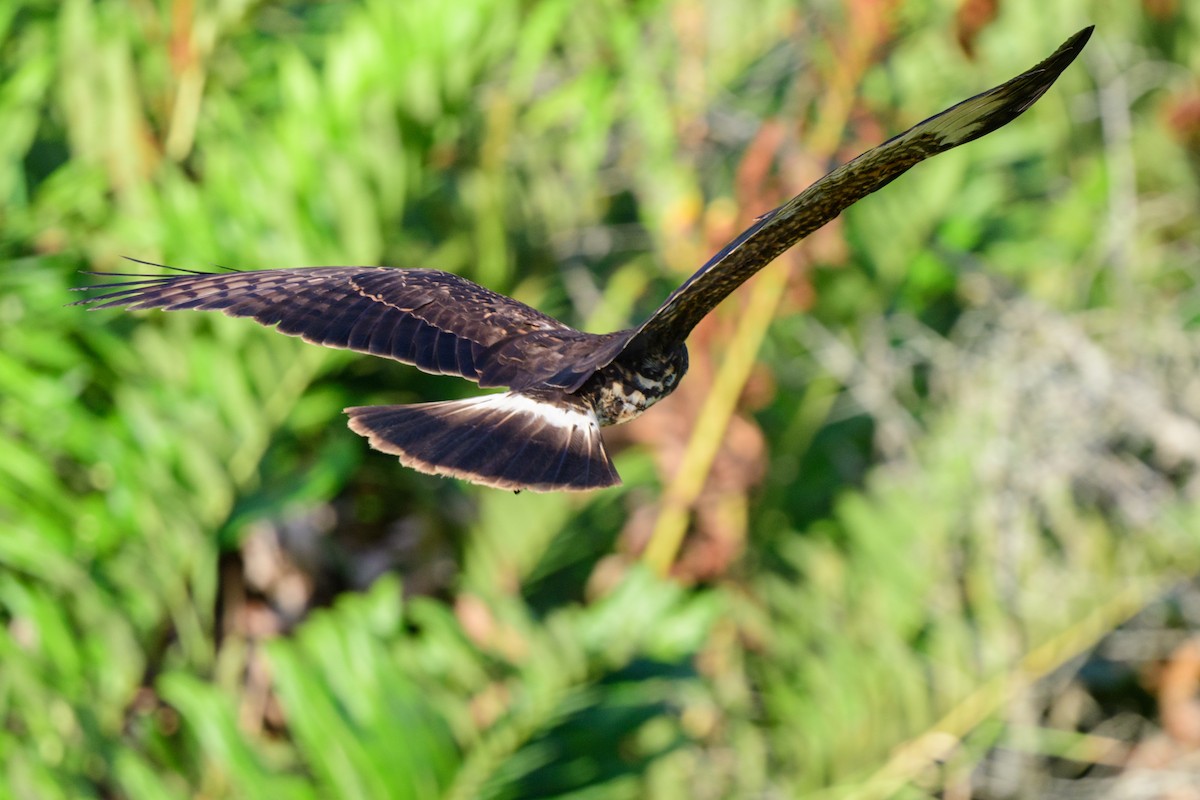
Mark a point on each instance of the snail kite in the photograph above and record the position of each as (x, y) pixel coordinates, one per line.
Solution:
(563, 385)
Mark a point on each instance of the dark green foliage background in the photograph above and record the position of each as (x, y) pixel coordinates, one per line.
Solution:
(981, 441)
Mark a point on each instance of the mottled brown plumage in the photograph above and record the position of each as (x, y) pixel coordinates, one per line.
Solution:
(416, 316)
(781, 228)
(564, 384)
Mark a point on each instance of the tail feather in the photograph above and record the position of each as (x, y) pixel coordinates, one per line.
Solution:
(518, 440)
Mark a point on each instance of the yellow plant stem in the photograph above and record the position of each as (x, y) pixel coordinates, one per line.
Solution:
(911, 758)
(719, 406)
(714, 417)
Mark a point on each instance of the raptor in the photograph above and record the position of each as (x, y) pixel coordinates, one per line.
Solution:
(562, 385)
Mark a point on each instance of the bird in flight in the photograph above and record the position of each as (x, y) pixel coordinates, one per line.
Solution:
(563, 385)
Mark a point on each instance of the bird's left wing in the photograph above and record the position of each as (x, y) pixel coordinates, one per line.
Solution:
(778, 230)
(437, 321)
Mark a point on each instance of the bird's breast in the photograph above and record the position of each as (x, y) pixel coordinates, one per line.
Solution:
(617, 402)
(621, 394)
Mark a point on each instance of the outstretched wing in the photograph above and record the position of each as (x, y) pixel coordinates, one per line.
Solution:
(440, 322)
(778, 230)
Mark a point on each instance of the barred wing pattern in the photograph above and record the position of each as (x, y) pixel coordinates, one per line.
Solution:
(778, 230)
(437, 321)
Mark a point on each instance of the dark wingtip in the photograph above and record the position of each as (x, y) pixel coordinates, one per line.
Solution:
(1069, 50)
(141, 279)
(145, 263)
(1081, 38)
(986, 112)
(1046, 73)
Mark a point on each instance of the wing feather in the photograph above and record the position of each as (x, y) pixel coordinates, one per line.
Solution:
(380, 342)
(359, 336)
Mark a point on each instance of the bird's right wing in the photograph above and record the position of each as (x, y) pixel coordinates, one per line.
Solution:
(778, 230)
(437, 321)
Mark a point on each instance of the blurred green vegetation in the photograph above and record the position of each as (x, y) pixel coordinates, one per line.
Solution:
(969, 445)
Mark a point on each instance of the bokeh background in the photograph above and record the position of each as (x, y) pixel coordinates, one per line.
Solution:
(922, 474)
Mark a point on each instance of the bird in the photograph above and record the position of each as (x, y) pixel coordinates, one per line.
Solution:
(561, 385)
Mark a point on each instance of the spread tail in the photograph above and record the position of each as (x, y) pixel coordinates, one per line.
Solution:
(519, 440)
